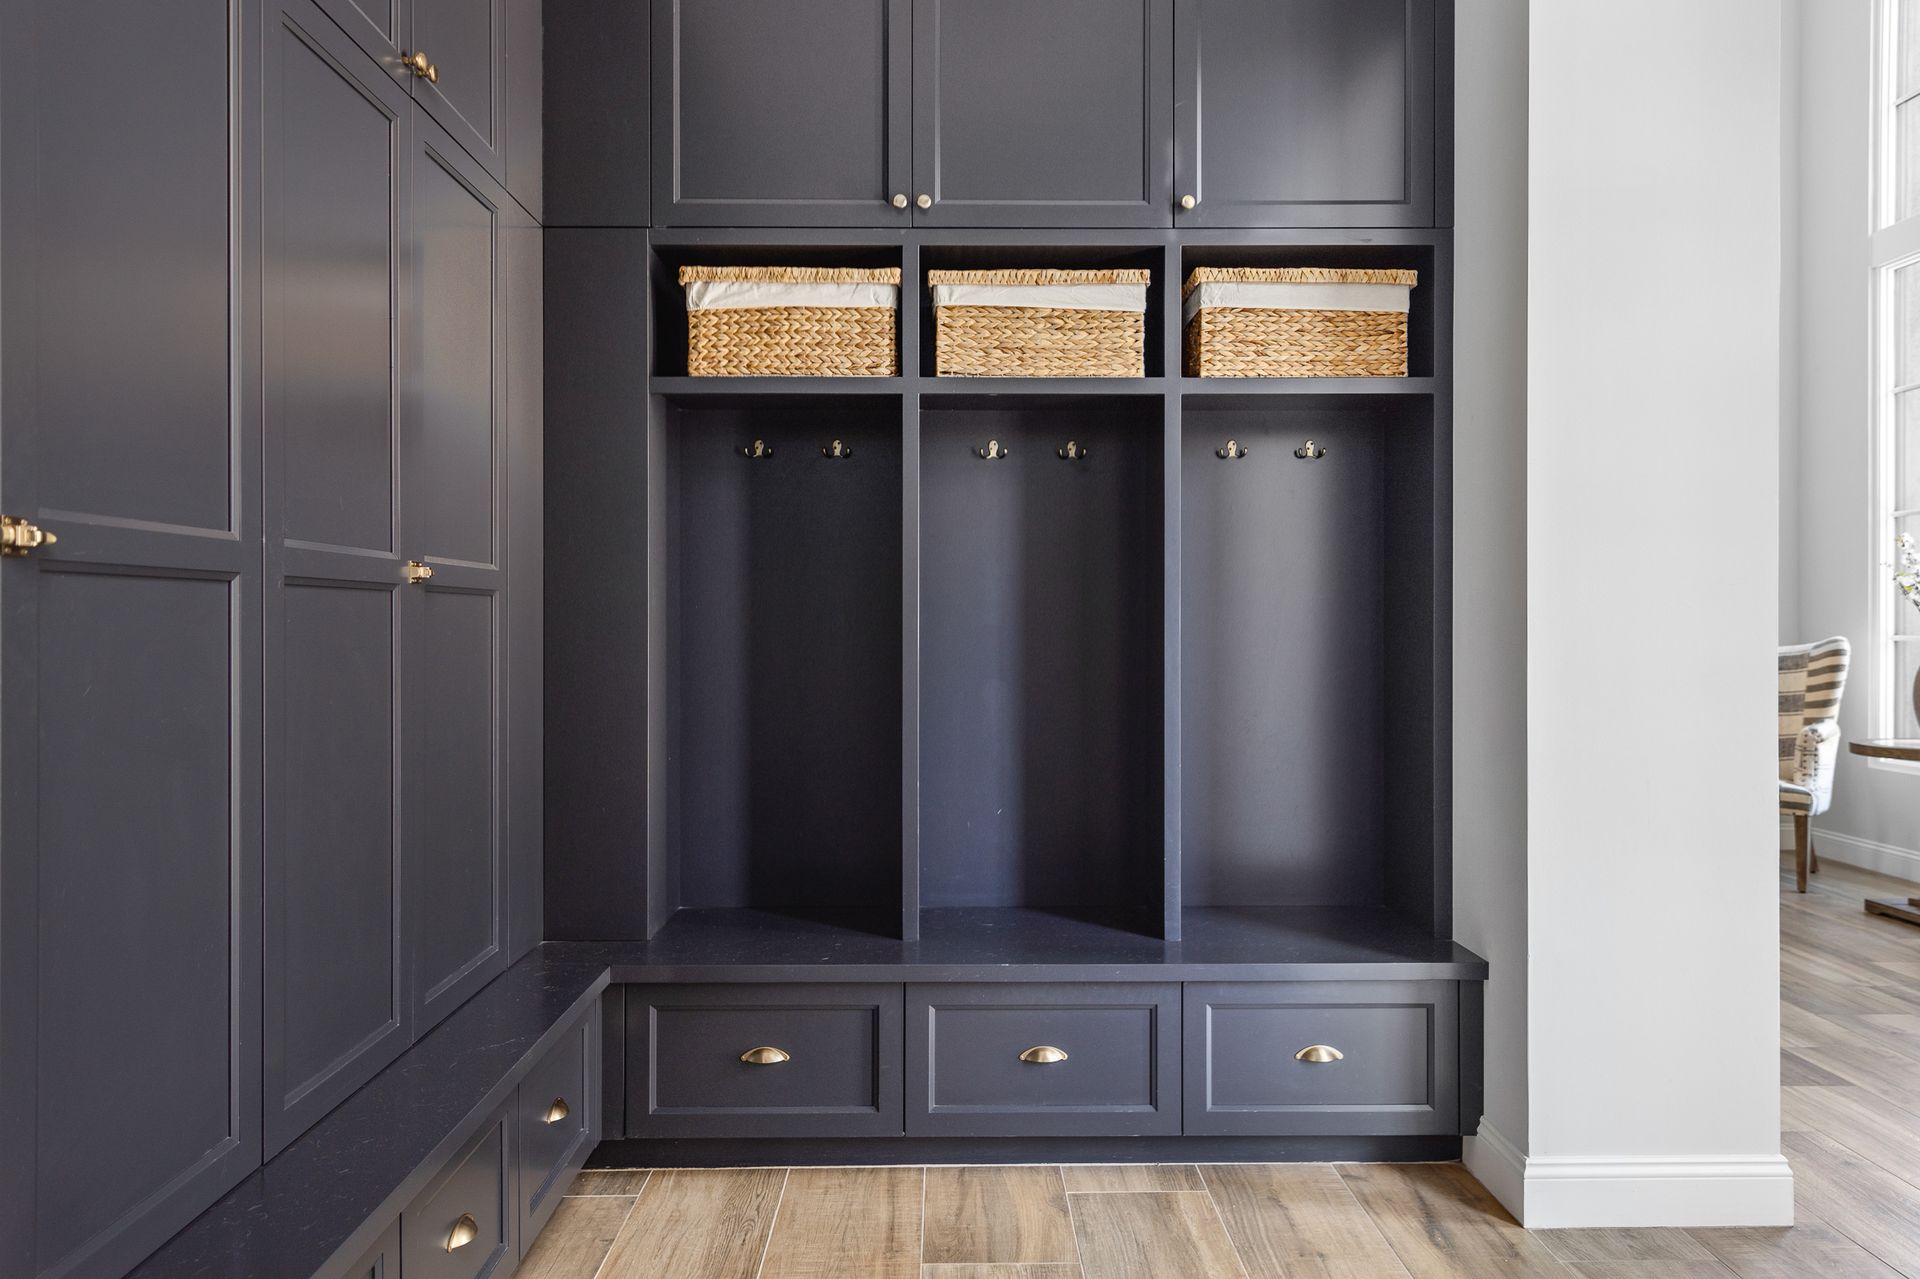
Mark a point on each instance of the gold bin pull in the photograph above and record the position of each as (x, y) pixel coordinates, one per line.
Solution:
(765, 1056)
(556, 1112)
(1319, 1053)
(1043, 1055)
(464, 1232)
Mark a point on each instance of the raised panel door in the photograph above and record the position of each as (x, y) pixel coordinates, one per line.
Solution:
(465, 41)
(334, 180)
(769, 113)
(453, 507)
(129, 680)
(1314, 113)
(1057, 114)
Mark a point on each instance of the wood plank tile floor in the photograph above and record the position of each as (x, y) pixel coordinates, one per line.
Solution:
(1850, 1106)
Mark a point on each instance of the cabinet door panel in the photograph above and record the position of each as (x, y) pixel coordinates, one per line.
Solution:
(466, 41)
(379, 27)
(1306, 112)
(768, 113)
(453, 514)
(334, 179)
(129, 680)
(1043, 115)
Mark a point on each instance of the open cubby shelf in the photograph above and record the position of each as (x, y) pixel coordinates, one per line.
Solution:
(1141, 702)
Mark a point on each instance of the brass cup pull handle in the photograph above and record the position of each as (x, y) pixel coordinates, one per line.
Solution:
(417, 63)
(1319, 1054)
(556, 1112)
(464, 1232)
(1043, 1055)
(765, 1056)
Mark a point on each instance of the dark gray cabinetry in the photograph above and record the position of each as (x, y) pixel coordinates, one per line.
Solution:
(770, 113)
(763, 1061)
(453, 536)
(1043, 1060)
(1379, 1058)
(466, 43)
(334, 171)
(557, 1109)
(462, 1226)
(129, 683)
(1056, 114)
(382, 1261)
(1305, 112)
(595, 125)
(471, 47)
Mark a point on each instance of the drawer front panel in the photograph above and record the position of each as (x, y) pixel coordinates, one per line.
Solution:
(1396, 1069)
(475, 1184)
(1119, 1074)
(839, 1072)
(558, 1105)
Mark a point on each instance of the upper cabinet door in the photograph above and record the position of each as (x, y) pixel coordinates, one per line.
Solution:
(1310, 113)
(776, 113)
(1055, 114)
(465, 87)
(378, 26)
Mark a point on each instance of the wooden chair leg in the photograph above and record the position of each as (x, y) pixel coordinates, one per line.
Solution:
(1800, 850)
(1813, 855)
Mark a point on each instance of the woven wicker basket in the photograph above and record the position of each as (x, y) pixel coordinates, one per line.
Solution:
(792, 341)
(1235, 341)
(1037, 341)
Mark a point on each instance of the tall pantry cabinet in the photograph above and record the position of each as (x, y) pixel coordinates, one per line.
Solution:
(269, 335)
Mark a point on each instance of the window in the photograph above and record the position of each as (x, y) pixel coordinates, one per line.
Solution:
(1896, 355)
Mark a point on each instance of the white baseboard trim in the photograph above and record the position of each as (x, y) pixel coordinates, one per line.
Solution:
(1868, 854)
(1499, 1166)
(1584, 1192)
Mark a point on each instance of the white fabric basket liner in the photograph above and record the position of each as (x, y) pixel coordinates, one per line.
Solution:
(1299, 297)
(1051, 297)
(748, 295)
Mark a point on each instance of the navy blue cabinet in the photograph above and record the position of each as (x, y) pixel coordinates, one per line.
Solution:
(130, 692)
(1313, 113)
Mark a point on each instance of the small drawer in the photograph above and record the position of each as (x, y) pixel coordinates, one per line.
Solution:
(763, 1061)
(559, 1121)
(1359, 1058)
(461, 1226)
(1043, 1060)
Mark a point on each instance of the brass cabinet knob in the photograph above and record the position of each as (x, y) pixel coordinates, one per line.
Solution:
(464, 1232)
(764, 1056)
(900, 200)
(556, 1112)
(1043, 1055)
(18, 536)
(418, 573)
(924, 201)
(1319, 1053)
(1187, 202)
(417, 63)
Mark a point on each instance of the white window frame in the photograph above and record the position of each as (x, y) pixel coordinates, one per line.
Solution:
(1894, 243)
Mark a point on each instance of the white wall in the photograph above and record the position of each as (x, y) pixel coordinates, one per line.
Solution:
(1875, 819)
(1654, 218)
(1490, 555)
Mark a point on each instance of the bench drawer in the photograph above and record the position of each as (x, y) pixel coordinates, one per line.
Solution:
(558, 1106)
(977, 1056)
(834, 1068)
(1380, 1058)
(462, 1225)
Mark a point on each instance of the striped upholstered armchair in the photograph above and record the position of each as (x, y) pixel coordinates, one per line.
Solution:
(1812, 677)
